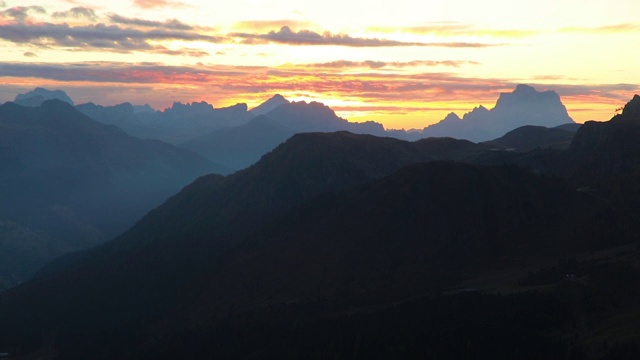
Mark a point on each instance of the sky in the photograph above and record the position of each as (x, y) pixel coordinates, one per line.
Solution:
(403, 63)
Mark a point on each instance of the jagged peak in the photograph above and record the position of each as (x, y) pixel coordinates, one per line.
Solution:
(632, 108)
(275, 101)
(452, 117)
(278, 97)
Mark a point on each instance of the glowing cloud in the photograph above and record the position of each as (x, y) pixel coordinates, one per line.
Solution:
(608, 29)
(148, 4)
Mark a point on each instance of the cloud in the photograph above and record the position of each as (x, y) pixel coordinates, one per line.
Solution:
(29, 54)
(21, 13)
(78, 12)
(452, 29)
(608, 29)
(108, 72)
(264, 25)
(95, 37)
(394, 64)
(306, 37)
(172, 24)
(149, 4)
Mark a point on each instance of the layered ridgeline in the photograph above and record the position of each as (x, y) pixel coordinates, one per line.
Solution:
(68, 182)
(353, 246)
(277, 120)
(237, 137)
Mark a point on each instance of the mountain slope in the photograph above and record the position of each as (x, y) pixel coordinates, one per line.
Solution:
(412, 234)
(531, 137)
(241, 146)
(68, 182)
(192, 229)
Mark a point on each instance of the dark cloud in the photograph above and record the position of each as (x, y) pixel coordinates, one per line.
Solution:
(20, 13)
(306, 37)
(183, 52)
(29, 54)
(92, 37)
(172, 24)
(78, 12)
(143, 73)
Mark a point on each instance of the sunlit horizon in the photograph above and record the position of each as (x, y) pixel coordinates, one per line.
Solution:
(404, 66)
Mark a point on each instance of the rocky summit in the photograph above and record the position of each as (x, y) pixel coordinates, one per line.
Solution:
(524, 106)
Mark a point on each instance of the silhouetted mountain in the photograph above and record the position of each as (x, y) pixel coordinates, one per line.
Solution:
(69, 182)
(146, 108)
(122, 115)
(604, 157)
(603, 148)
(573, 127)
(524, 106)
(529, 137)
(39, 95)
(175, 125)
(269, 105)
(303, 117)
(241, 146)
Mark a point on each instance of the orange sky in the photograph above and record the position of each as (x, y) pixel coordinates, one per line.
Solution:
(405, 66)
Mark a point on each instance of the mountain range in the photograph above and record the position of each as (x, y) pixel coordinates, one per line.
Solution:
(209, 131)
(342, 245)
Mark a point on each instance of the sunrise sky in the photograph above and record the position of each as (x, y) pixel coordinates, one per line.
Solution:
(404, 63)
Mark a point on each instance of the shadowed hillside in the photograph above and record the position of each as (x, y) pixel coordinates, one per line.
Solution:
(68, 182)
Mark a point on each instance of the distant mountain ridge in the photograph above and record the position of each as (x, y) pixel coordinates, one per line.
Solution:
(197, 125)
(39, 95)
(524, 106)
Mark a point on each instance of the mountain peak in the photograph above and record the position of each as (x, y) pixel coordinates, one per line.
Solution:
(523, 88)
(632, 109)
(264, 108)
(452, 117)
(39, 95)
